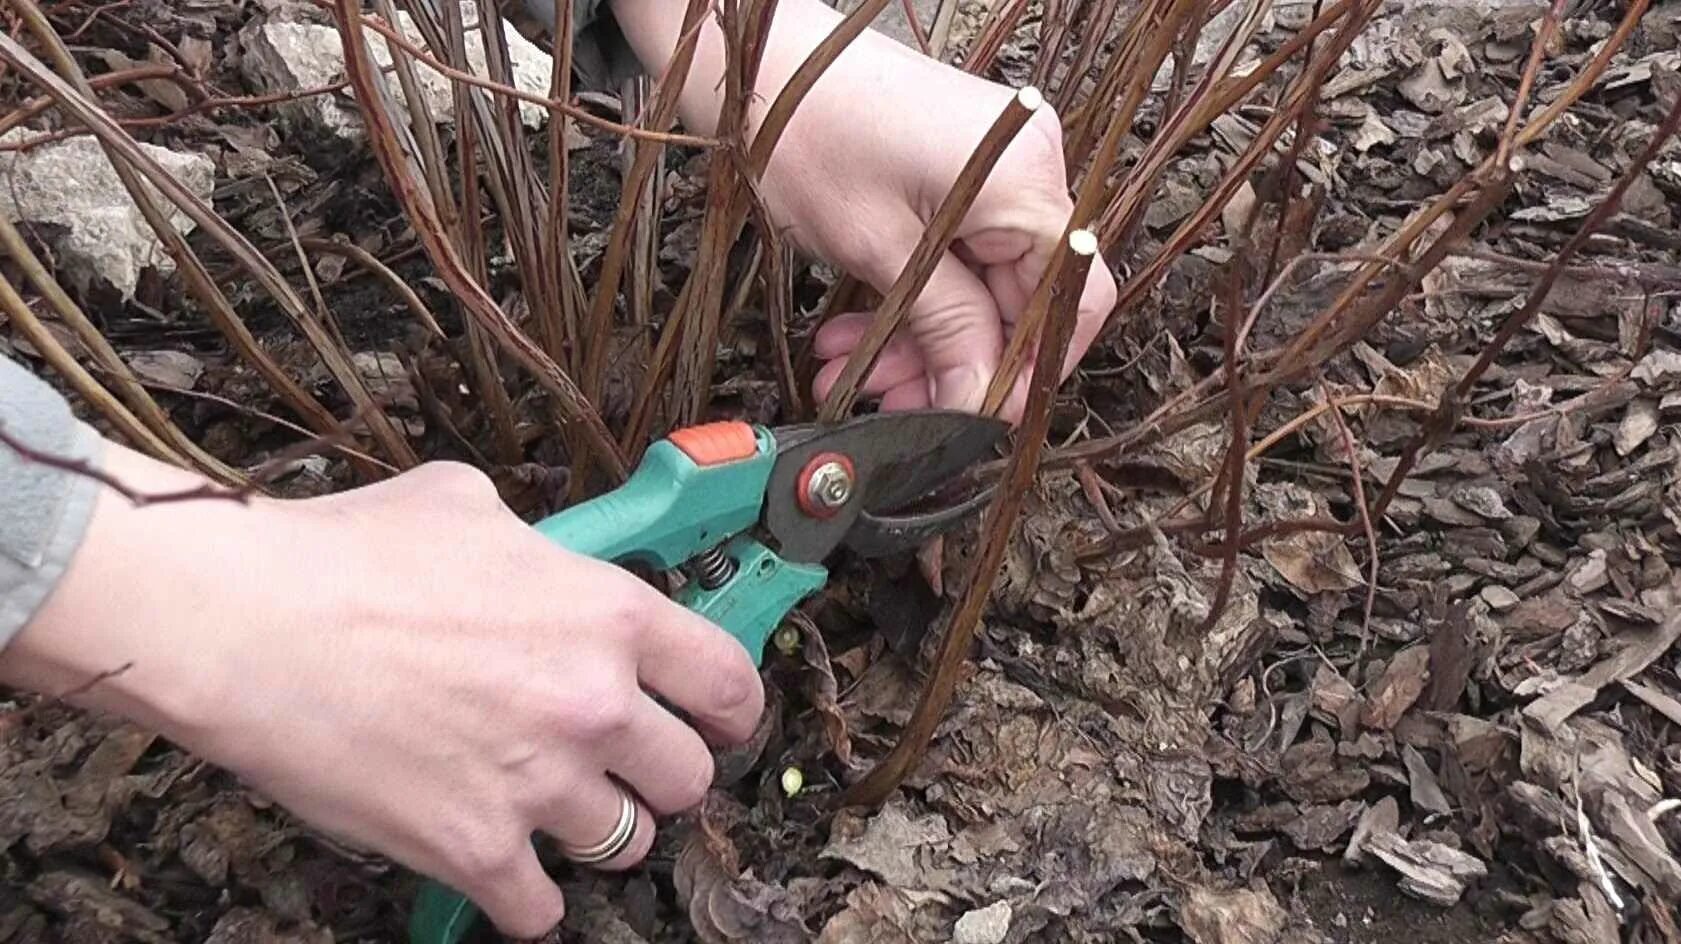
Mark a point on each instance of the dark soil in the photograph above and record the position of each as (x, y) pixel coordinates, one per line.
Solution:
(1360, 906)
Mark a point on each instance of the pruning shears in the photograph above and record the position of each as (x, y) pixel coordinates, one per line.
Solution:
(752, 513)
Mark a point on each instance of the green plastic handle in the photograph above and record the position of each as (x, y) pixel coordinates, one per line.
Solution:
(670, 510)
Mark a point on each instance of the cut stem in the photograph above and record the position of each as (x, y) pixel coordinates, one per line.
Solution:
(1067, 271)
(930, 249)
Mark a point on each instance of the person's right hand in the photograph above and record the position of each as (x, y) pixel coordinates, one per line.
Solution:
(407, 666)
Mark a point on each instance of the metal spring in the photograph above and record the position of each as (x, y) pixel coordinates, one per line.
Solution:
(714, 568)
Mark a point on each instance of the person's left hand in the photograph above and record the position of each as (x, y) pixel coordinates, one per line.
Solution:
(865, 162)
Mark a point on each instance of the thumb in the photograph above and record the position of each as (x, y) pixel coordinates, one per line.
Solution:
(954, 322)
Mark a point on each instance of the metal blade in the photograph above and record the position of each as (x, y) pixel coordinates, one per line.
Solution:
(880, 535)
(898, 457)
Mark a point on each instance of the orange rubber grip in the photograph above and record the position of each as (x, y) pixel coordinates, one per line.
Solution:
(717, 443)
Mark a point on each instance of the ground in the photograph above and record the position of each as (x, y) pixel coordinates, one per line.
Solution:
(1485, 750)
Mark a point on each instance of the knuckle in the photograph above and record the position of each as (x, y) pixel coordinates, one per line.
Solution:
(490, 859)
(599, 714)
(1041, 139)
(630, 606)
(459, 482)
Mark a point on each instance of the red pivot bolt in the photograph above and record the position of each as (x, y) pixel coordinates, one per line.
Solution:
(826, 484)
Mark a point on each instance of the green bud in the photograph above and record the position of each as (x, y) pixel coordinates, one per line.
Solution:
(787, 640)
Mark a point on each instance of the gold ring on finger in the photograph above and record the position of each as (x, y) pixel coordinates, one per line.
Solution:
(616, 842)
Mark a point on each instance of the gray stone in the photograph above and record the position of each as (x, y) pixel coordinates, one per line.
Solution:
(69, 189)
(987, 925)
(287, 53)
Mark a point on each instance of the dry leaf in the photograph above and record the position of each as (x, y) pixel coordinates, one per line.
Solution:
(1429, 870)
(1235, 916)
(174, 369)
(1402, 682)
(1640, 421)
(887, 844)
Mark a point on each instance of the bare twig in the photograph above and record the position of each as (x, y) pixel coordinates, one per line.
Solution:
(579, 113)
(379, 270)
(1365, 520)
(13, 720)
(1068, 270)
(1232, 475)
(1448, 409)
(930, 249)
(242, 493)
(1526, 84)
(208, 490)
(423, 215)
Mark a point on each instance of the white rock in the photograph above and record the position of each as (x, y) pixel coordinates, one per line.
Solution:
(97, 230)
(987, 925)
(288, 55)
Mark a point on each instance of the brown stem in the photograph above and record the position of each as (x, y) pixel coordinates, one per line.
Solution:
(1232, 476)
(1365, 519)
(1240, 169)
(1097, 28)
(1445, 412)
(1054, 21)
(930, 249)
(779, 302)
(566, 108)
(1001, 20)
(1209, 99)
(423, 215)
(1526, 84)
(700, 321)
(1068, 270)
(558, 266)
(598, 324)
(1091, 195)
(917, 32)
(129, 162)
(692, 327)
(1144, 45)
(379, 270)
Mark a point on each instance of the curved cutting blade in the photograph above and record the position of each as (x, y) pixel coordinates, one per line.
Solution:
(899, 457)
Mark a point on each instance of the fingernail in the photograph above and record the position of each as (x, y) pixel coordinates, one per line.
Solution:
(960, 388)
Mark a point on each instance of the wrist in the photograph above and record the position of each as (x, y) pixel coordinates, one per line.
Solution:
(153, 603)
(653, 27)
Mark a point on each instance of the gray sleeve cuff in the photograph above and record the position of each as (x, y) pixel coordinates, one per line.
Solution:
(44, 510)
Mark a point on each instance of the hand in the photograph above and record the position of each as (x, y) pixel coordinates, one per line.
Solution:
(406, 666)
(866, 160)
